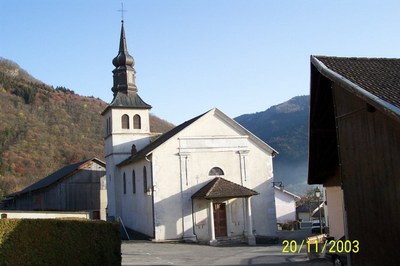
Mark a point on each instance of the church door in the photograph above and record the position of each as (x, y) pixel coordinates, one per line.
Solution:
(220, 219)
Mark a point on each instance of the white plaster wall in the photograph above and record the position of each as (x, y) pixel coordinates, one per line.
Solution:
(285, 207)
(260, 177)
(137, 211)
(334, 197)
(116, 114)
(118, 146)
(44, 215)
(103, 198)
(218, 147)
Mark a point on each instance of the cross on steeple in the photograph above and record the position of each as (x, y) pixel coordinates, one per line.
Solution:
(122, 10)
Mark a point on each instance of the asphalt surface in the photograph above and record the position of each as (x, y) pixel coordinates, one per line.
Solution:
(140, 252)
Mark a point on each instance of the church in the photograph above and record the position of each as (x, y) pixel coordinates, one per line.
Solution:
(206, 180)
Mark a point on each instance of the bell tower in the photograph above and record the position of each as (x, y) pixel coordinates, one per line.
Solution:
(126, 122)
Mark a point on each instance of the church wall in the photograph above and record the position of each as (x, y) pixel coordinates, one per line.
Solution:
(118, 144)
(181, 167)
(120, 140)
(167, 195)
(137, 211)
(260, 175)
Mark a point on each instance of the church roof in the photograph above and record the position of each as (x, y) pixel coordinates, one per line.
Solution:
(168, 135)
(57, 175)
(222, 188)
(160, 140)
(131, 100)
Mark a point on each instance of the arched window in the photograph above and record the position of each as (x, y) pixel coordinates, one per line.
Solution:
(124, 180)
(216, 171)
(125, 121)
(137, 123)
(144, 179)
(133, 182)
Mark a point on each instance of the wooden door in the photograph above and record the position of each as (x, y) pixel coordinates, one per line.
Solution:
(220, 219)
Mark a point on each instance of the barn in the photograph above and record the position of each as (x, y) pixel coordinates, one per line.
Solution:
(76, 187)
(354, 151)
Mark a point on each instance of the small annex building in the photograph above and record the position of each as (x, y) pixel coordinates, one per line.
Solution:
(206, 179)
(73, 188)
(354, 151)
(285, 204)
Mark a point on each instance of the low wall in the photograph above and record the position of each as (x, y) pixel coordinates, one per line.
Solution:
(42, 214)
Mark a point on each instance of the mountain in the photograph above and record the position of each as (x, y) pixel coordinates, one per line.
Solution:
(285, 128)
(44, 128)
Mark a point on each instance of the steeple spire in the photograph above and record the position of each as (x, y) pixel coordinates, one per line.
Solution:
(124, 75)
(123, 58)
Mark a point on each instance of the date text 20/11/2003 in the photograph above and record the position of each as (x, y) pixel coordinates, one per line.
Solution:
(331, 246)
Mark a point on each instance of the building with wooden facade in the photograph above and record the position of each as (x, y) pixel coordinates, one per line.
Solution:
(354, 151)
(77, 187)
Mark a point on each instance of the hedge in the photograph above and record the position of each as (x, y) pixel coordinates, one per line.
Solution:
(59, 242)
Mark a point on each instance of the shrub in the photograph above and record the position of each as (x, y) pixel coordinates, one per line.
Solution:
(59, 242)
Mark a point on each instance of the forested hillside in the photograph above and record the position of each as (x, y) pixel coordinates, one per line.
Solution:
(285, 128)
(43, 128)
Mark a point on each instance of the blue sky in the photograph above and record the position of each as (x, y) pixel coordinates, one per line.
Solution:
(241, 56)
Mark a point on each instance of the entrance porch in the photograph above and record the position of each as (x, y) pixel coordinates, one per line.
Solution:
(222, 210)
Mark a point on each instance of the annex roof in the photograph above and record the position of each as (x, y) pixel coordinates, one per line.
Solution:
(57, 175)
(295, 197)
(222, 188)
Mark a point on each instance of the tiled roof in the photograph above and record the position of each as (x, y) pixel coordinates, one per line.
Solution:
(160, 140)
(378, 76)
(56, 176)
(222, 188)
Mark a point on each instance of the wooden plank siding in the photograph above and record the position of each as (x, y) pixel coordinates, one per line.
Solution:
(78, 191)
(369, 151)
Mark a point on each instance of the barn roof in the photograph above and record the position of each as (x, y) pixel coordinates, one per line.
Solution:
(222, 188)
(377, 80)
(57, 175)
(374, 80)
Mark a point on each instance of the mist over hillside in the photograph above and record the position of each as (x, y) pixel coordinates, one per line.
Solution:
(285, 128)
(45, 128)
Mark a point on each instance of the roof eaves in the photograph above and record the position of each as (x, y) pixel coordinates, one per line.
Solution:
(352, 87)
(287, 192)
(147, 150)
(253, 137)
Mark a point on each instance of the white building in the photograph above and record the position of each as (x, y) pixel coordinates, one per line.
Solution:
(205, 179)
(285, 204)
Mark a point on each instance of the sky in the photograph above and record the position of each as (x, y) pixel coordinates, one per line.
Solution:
(241, 56)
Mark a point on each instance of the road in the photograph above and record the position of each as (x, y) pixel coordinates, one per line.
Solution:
(151, 253)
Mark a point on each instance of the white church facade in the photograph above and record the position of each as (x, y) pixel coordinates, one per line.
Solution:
(206, 179)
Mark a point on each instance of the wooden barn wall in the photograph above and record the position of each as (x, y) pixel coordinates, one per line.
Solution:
(369, 147)
(80, 191)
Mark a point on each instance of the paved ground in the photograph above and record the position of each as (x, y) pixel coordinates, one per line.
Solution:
(150, 253)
